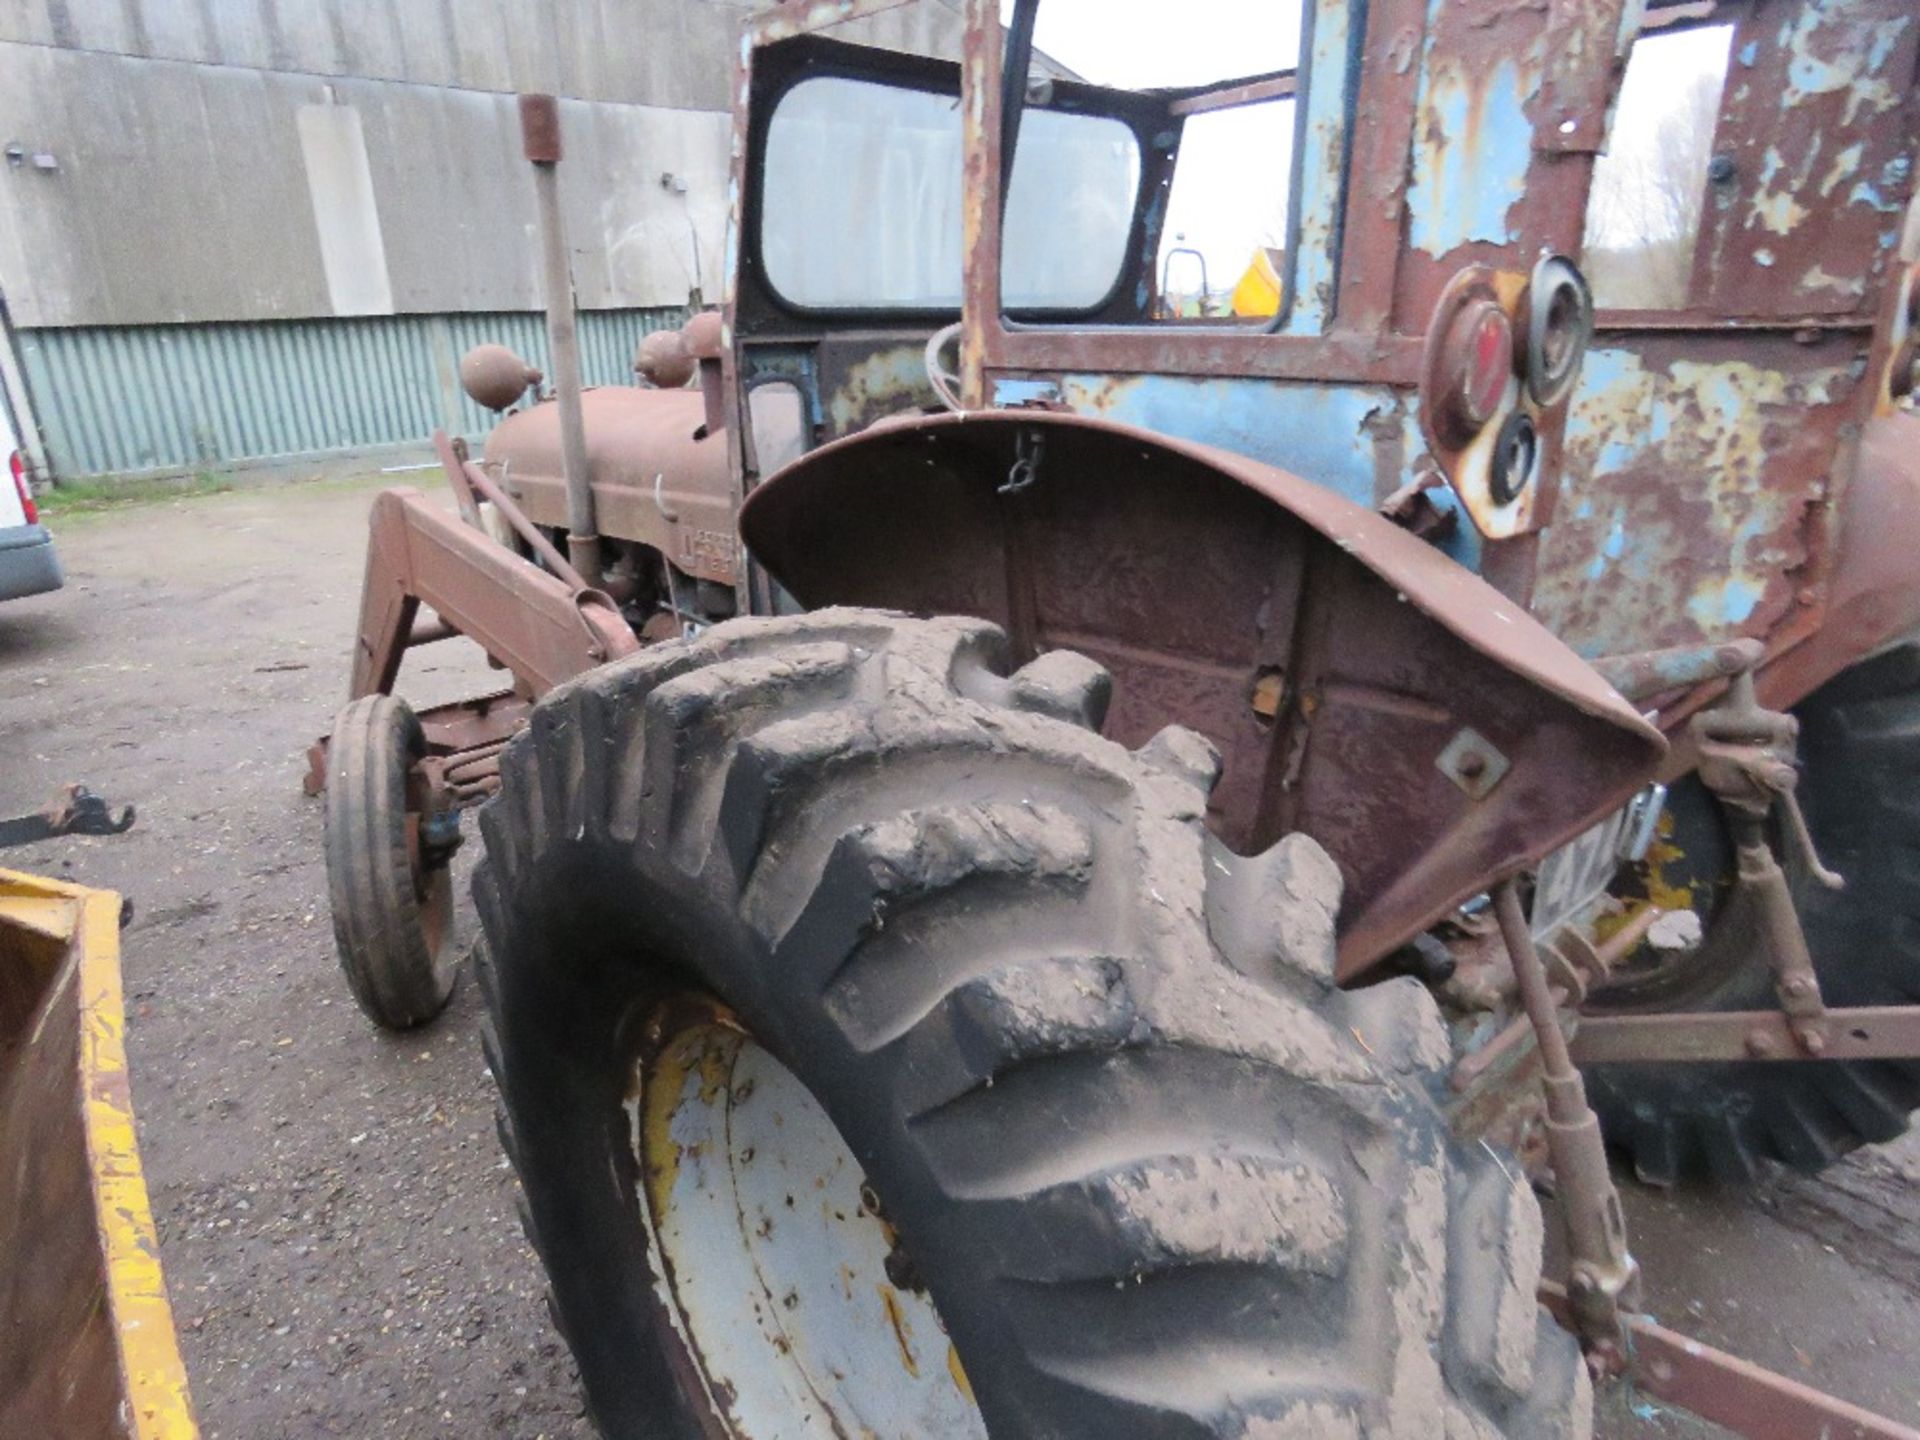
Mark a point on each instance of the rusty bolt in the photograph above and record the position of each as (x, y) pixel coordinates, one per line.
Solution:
(1721, 168)
(1813, 1041)
(1759, 1044)
(1472, 765)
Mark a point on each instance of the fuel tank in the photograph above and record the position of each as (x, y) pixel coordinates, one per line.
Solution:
(659, 472)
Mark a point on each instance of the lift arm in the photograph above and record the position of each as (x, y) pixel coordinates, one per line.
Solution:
(534, 624)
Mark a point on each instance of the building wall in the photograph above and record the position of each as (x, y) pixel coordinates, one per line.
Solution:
(184, 191)
(237, 230)
(158, 399)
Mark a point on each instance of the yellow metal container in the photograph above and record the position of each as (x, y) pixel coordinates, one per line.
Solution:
(87, 1341)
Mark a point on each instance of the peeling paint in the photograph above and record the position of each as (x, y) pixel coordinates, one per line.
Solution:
(1862, 77)
(1685, 503)
(1775, 210)
(1473, 147)
(887, 383)
(1845, 164)
(1321, 191)
(1323, 433)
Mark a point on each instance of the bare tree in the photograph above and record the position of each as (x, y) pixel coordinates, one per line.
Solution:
(1644, 211)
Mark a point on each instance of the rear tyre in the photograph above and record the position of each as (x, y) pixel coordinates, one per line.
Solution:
(392, 904)
(1860, 748)
(1126, 1163)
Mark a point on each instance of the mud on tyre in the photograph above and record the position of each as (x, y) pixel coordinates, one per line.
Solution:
(1158, 1177)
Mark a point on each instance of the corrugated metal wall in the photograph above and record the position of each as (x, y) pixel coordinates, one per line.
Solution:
(123, 400)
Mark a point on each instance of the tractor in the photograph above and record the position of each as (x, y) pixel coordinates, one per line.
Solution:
(1059, 863)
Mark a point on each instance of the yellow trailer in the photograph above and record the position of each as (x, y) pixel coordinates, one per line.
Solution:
(87, 1341)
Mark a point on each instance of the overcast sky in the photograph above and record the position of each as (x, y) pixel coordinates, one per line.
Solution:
(1138, 44)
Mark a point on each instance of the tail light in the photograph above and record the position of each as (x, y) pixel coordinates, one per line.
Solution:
(19, 469)
(1470, 371)
(1502, 356)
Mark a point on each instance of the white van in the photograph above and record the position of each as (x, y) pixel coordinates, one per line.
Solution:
(28, 565)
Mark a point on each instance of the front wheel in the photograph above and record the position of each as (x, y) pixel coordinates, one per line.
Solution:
(391, 895)
(883, 1052)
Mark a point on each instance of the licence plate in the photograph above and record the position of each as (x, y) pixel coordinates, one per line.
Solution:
(1579, 872)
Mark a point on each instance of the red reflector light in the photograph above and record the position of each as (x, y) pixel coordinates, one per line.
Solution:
(1469, 372)
(19, 469)
(1485, 382)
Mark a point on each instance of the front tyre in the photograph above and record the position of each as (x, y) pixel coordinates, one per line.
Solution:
(391, 896)
(882, 1051)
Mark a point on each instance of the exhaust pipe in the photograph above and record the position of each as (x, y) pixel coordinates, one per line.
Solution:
(540, 140)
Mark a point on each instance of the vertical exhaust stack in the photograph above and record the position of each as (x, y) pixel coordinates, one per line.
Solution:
(540, 140)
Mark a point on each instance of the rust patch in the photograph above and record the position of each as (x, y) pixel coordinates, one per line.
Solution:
(1818, 165)
(1694, 492)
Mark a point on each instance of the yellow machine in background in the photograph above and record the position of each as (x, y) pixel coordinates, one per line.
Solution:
(87, 1342)
(1260, 288)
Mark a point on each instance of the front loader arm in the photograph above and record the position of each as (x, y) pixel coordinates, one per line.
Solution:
(539, 628)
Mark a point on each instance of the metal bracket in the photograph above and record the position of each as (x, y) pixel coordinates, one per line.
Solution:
(1729, 1391)
(74, 810)
(1605, 1279)
(1029, 449)
(1747, 759)
(1875, 1032)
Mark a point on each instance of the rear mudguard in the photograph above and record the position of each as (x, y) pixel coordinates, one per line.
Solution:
(1361, 686)
(1872, 598)
(87, 1342)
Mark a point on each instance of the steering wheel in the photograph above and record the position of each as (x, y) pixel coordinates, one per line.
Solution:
(945, 382)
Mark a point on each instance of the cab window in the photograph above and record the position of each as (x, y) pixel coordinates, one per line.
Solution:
(1227, 70)
(861, 206)
(1650, 186)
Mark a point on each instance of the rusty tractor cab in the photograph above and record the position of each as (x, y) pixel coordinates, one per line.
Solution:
(1305, 607)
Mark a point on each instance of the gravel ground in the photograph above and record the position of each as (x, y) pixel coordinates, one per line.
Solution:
(335, 1216)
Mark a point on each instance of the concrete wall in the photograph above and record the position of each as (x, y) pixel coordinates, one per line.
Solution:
(169, 399)
(203, 200)
(637, 52)
(283, 159)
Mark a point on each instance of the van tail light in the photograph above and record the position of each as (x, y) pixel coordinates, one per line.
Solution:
(19, 469)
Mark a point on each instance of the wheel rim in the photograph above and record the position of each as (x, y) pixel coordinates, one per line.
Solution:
(770, 1251)
(436, 916)
(433, 897)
